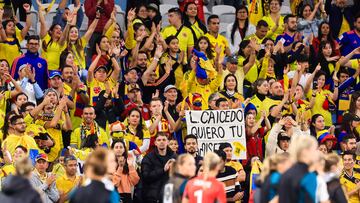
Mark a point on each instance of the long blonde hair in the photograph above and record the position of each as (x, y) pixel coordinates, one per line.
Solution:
(271, 163)
(299, 144)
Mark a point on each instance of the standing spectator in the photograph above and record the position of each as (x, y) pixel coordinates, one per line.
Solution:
(341, 17)
(155, 169)
(274, 19)
(62, 11)
(192, 17)
(308, 23)
(43, 181)
(105, 7)
(350, 178)
(37, 64)
(350, 40)
(290, 35)
(69, 181)
(229, 176)
(176, 28)
(27, 81)
(17, 188)
(183, 4)
(126, 177)
(216, 39)
(240, 29)
(81, 135)
(298, 181)
(191, 147)
(12, 34)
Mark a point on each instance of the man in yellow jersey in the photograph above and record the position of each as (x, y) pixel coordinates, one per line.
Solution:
(348, 143)
(81, 136)
(215, 38)
(69, 181)
(349, 178)
(177, 29)
(262, 29)
(76, 91)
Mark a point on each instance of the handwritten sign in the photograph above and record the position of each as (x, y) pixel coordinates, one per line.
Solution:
(212, 127)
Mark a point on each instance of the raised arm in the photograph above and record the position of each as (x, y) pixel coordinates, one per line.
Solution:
(2, 29)
(152, 66)
(93, 65)
(116, 71)
(54, 121)
(43, 28)
(345, 61)
(26, 29)
(311, 78)
(92, 27)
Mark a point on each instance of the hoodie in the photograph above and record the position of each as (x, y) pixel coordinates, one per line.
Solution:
(17, 189)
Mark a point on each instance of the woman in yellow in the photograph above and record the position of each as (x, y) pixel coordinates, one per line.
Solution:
(11, 36)
(274, 19)
(261, 89)
(133, 130)
(135, 30)
(77, 44)
(9, 159)
(247, 61)
(53, 41)
(192, 21)
(322, 100)
(230, 91)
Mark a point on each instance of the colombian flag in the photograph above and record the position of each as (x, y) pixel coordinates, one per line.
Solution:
(254, 174)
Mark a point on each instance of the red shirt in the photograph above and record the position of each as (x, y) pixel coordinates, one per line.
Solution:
(198, 190)
(200, 7)
(90, 12)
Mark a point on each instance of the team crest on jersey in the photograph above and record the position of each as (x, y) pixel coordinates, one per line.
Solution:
(184, 34)
(357, 181)
(97, 90)
(39, 65)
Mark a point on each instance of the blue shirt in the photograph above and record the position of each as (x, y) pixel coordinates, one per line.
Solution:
(39, 64)
(288, 39)
(348, 42)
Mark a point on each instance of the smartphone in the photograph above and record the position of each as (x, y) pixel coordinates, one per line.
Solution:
(282, 40)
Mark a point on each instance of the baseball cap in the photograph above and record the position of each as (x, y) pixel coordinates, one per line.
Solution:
(169, 87)
(232, 59)
(153, 6)
(101, 67)
(130, 69)
(42, 156)
(54, 73)
(22, 67)
(133, 86)
(283, 136)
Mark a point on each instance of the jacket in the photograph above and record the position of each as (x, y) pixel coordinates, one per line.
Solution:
(39, 64)
(272, 146)
(49, 194)
(125, 182)
(96, 191)
(17, 189)
(90, 12)
(104, 114)
(153, 175)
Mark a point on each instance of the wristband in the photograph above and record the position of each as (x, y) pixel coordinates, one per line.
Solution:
(156, 58)
(313, 95)
(28, 13)
(112, 56)
(32, 82)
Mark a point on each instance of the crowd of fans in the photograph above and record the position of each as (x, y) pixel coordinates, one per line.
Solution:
(99, 116)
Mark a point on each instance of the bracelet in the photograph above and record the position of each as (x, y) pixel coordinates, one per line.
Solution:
(336, 86)
(31, 82)
(112, 56)
(156, 58)
(313, 95)
(28, 13)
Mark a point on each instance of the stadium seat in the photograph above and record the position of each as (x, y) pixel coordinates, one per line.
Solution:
(225, 13)
(50, 15)
(172, 2)
(165, 7)
(120, 17)
(206, 13)
(223, 27)
(285, 10)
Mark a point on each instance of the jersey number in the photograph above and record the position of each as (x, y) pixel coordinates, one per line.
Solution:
(198, 194)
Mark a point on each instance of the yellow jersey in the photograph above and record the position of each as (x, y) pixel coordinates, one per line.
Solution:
(279, 30)
(65, 185)
(79, 134)
(12, 141)
(220, 41)
(185, 37)
(52, 52)
(10, 48)
(96, 87)
(255, 11)
(350, 183)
